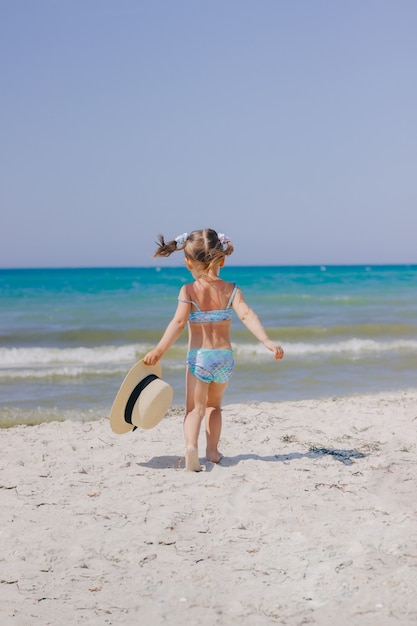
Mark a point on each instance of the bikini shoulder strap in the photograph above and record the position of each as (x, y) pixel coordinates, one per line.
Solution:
(232, 295)
(190, 302)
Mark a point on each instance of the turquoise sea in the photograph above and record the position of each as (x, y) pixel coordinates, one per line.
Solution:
(69, 336)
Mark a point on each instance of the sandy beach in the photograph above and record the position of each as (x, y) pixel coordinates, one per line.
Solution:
(310, 518)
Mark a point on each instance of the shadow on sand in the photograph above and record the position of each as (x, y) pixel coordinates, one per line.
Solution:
(346, 457)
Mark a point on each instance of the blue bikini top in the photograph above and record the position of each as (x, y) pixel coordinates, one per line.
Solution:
(217, 315)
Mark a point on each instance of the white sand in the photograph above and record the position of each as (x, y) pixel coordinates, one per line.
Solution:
(98, 528)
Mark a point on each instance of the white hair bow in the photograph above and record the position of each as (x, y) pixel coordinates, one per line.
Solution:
(181, 239)
(223, 240)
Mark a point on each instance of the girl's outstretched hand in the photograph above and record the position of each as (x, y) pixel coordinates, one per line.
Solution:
(278, 353)
(276, 349)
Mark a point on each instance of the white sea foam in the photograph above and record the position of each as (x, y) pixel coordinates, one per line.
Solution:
(43, 363)
(32, 357)
(60, 372)
(352, 346)
(11, 416)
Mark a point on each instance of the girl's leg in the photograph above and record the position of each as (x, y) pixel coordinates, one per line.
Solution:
(214, 421)
(196, 402)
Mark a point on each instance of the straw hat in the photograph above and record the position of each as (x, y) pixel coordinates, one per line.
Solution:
(142, 400)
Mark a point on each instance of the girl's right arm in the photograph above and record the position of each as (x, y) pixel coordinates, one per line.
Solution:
(252, 322)
(171, 334)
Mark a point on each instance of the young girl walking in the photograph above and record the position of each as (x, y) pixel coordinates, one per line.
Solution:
(206, 304)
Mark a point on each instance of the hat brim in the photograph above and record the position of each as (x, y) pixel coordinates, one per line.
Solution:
(156, 400)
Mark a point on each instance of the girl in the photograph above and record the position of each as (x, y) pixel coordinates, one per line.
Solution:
(206, 304)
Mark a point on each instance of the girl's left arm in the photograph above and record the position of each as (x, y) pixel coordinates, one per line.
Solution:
(254, 325)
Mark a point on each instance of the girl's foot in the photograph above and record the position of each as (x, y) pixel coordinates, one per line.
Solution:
(214, 457)
(192, 462)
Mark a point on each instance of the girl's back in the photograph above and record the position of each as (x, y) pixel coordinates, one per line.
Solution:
(210, 299)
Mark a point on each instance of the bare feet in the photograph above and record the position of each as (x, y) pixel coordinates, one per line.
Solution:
(214, 457)
(192, 462)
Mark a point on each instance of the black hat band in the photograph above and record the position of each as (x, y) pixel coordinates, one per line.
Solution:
(135, 395)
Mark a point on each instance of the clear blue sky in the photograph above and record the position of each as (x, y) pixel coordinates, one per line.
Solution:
(290, 125)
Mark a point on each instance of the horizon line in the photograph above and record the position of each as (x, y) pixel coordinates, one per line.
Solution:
(181, 266)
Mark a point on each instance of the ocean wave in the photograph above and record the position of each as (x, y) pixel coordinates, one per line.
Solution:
(61, 372)
(47, 363)
(354, 346)
(13, 416)
(33, 357)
